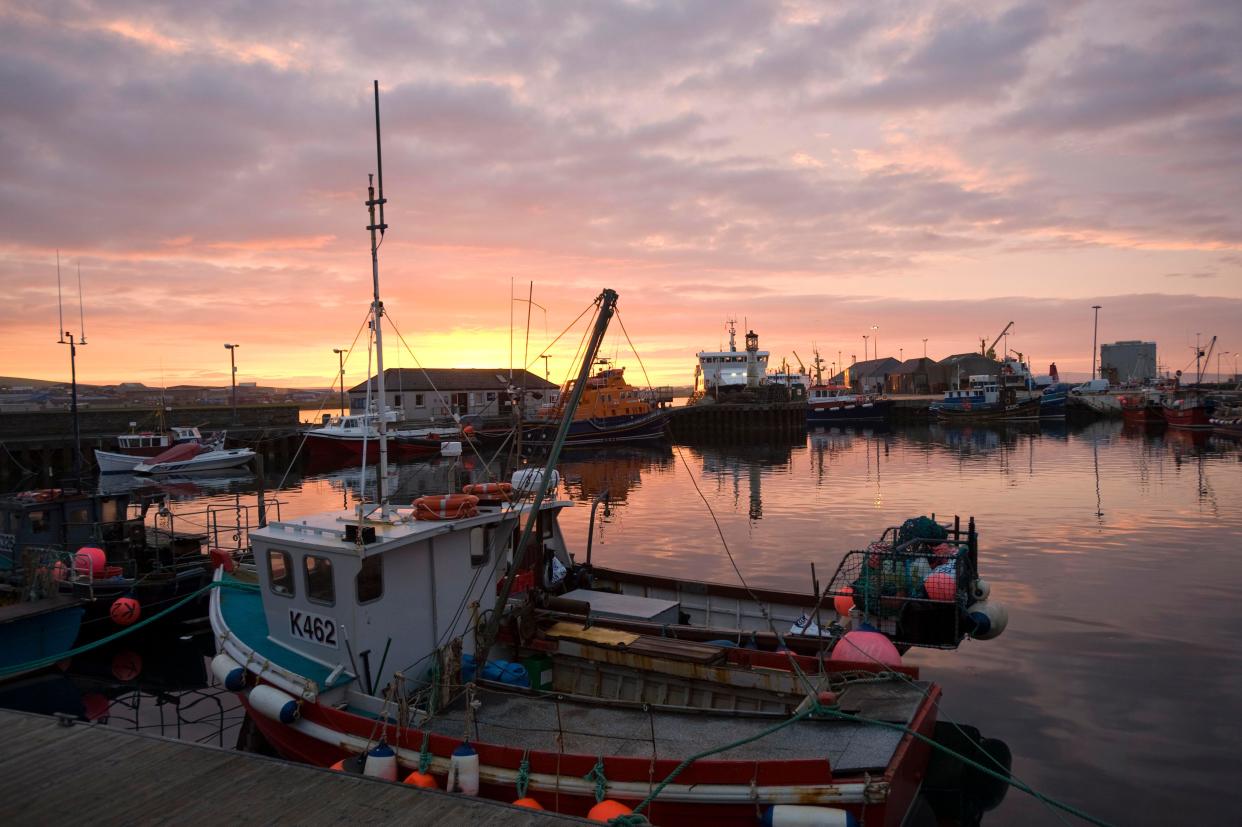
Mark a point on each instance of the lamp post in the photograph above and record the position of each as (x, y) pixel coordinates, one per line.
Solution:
(1094, 338)
(901, 354)
(340, 359)
(924, 348)
(547, 374)
(864, 347)
(233, 376)
(875, 341)
(1219, 375)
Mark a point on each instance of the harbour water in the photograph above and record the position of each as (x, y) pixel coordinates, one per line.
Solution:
(1117, 554)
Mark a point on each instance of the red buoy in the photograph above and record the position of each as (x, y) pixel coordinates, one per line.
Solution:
(125, 610)
(528, 803)
(126, 665)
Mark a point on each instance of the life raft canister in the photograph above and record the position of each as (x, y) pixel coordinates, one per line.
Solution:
(446, 507)
(490, 491)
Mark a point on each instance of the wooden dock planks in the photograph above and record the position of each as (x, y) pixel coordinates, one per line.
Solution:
(51, 774)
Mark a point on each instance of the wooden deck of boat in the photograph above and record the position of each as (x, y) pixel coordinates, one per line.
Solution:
(551, 724)
(49, 773)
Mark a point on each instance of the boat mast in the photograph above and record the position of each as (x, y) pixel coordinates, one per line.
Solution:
(377, 306)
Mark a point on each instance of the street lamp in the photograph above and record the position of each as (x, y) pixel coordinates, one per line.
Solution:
(1218, 373)
(901, 354)
(547, 374)
(864, 347)
(924, 348)
(340, 358)
(1094, 338)
(875, 341)
(233, 376)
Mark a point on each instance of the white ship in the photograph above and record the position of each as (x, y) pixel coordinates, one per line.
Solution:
(733, 370)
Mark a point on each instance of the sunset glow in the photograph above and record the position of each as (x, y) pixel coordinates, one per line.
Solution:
(936, 169)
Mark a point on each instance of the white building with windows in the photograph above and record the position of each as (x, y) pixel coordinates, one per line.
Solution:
(437, 394)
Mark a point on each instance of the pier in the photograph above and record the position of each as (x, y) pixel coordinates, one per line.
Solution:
(54, 769)
(41, 442)
(737, 421)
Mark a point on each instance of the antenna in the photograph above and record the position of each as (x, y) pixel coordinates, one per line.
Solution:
(81, 310)
(60, 305)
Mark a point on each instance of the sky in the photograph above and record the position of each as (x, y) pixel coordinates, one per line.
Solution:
(821, 172)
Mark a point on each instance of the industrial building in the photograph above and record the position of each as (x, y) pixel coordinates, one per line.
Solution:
(1130, 361)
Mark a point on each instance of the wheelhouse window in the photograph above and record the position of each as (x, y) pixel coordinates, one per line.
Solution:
(369, 584)
(320, 587)
(280, 572)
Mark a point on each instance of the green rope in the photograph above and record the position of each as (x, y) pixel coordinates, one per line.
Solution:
(49, 660)
(523, 774)
(424, 754)
(601, 781)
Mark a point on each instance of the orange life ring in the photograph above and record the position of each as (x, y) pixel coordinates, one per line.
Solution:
(489, 490)
(40, 495)
(446, 507)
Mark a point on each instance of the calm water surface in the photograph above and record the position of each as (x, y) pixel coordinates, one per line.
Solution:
(1118, 555)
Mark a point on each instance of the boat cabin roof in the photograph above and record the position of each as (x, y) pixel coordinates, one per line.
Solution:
(326, 531)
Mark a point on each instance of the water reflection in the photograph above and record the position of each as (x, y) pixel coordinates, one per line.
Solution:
(1115, 550)
(156, 683)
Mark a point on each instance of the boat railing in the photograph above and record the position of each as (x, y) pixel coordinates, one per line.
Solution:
(220, 525)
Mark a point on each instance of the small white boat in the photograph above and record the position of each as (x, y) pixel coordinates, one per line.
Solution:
(192, 456)
(137, 446)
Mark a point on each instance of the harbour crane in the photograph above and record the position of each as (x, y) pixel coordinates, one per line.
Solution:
(990, 350)
(801, 367)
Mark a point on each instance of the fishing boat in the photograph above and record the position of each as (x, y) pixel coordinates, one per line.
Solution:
(832, 404)
(135, 446)
(611, 410)
(1227, 421)
(1095, 396)
(1189, 412)
(191, 457)
(97, 547)
(988, 398)
(351, 436)
(1143, 409)
(456, 643)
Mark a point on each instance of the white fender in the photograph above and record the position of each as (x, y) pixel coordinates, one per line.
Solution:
(463, 774)
(990, 619)
(381, 763)
(980, 589)
(228, 672)
(804, 815)
(270, 702)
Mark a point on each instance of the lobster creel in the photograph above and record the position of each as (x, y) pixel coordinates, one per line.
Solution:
(490, 492)
(446, 507)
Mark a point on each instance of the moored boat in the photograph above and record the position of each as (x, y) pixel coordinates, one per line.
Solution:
(830, 404)
(1227, 421)
(988, 398)
(411, 643)
(611, 411)
(190, 457)
(135, 446)
(1142, 409)
(1191, 412)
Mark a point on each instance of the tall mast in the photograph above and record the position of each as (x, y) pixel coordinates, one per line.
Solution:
(377, 306)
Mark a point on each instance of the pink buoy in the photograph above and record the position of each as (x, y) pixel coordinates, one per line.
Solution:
(866, 647)
(90, 560)
(125, 610)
